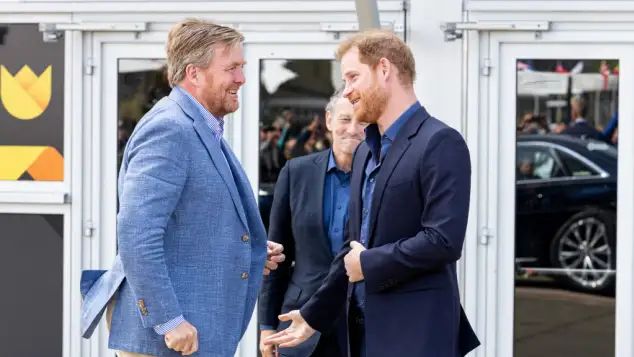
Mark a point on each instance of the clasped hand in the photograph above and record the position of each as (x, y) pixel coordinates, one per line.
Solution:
(274, 256)
(183, 339)
(352, 261)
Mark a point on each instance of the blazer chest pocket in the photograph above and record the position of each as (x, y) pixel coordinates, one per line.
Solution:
(400, 183)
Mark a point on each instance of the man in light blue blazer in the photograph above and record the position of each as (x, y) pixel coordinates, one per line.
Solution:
(192, 246)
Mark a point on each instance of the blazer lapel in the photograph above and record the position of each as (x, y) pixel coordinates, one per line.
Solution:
(356, 190)
(245, 192)
(319, 177)
(396, 151)
(213, 148)
(215, 151)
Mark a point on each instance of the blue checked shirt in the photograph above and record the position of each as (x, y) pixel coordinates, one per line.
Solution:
(216, 125)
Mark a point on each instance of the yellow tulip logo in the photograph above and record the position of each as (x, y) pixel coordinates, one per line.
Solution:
(25, 96)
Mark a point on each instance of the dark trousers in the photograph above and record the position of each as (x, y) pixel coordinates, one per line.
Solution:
(328, 346)
(356, 333)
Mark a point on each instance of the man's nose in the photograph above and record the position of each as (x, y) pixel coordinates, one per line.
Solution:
(346, 91)
(239, 78)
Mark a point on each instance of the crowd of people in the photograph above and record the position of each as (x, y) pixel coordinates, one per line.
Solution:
(579, 125)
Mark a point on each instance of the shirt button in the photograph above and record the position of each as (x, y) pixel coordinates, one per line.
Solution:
(372, 179)
(339, 207)
(336, 229)
(245, 238)
(365, 211)
(244, 275)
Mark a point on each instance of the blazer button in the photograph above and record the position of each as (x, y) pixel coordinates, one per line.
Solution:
(244, 275)
(245, 238)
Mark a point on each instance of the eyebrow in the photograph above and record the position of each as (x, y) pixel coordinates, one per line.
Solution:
(349, 72)
(236, 63)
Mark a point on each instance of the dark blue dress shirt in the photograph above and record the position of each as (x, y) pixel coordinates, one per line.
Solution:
(379, 146)
(336, 198)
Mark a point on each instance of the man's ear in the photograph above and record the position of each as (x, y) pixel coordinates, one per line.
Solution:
(328, 121)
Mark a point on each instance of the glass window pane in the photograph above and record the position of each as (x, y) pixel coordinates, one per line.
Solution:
(575, 166)
(293, 98)
(565, 229)
(32, 105)
(31, 272)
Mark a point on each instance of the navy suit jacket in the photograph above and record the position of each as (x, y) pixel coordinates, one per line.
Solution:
(297, 223)
(584, 130)
(418, 221)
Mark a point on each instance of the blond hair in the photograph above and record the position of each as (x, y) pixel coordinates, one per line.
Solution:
(191, 41)
(376, 44)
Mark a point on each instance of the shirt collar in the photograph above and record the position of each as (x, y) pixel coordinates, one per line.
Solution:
(332, 164)
(216, 124)
(373, 136)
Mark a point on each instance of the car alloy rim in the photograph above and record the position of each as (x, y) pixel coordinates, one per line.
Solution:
(585, 254)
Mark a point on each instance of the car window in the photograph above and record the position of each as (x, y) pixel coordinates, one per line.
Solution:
(536, 163)
(576, 167)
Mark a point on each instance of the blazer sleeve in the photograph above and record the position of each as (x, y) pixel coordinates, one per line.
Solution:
(329, 302)
(445, 182)
(274, 285)
(157, 160)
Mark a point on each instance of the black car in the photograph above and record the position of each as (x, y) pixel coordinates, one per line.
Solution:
(566, 210)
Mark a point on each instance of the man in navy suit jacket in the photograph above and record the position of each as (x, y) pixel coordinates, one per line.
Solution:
(408, 213)
(308, 218)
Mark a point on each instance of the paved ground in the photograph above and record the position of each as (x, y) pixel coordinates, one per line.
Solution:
(550, 322)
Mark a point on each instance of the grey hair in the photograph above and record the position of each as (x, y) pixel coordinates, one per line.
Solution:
(338, 94)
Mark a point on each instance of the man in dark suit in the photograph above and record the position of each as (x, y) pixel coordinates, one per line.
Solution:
(579, 127)
(309, 211)
(409, 203)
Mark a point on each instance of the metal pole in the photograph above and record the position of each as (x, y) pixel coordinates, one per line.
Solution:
(368, 14)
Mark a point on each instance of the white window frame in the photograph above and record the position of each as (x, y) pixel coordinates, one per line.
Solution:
(496, 119)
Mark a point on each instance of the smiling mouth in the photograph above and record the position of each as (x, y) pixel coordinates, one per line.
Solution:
(233, 92)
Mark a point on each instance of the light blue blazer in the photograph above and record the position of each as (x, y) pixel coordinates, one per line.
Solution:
(191, 239)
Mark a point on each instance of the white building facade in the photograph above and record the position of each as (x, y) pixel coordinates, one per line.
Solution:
(469, 82)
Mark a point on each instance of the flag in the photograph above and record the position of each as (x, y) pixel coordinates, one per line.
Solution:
(524, 66)
(578, 68)
(560, 68)
(605, 72)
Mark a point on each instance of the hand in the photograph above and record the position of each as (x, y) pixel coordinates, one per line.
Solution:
(274, 256)
(298, 332)
(352, 262)
(184, 339)
(267, 350)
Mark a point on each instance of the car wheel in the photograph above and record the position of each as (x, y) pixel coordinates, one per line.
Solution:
(584, 251)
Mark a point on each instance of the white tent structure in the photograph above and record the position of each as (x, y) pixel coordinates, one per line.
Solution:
(533, 83)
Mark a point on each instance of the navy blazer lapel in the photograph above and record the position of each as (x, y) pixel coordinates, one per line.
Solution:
(319, 177)
(396, 151)
(215, 151)
(356, 189)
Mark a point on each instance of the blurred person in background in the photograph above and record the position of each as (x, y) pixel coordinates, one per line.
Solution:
(579, 126)
(309, 211)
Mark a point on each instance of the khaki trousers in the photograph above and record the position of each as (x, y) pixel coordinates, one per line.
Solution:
(108, 319)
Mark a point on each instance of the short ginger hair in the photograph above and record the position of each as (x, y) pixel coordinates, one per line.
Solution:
(376, 44)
